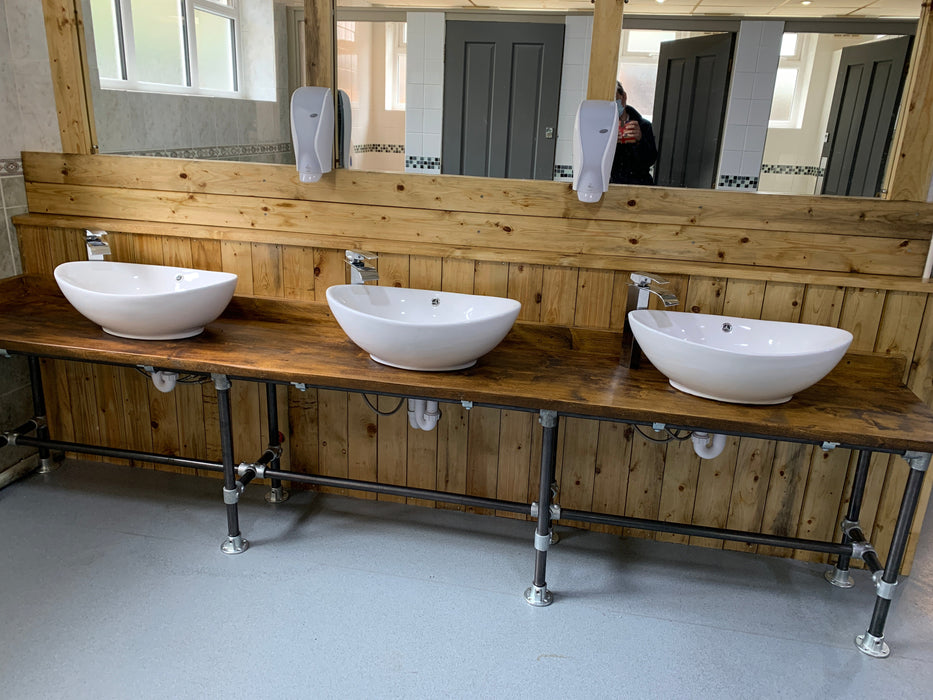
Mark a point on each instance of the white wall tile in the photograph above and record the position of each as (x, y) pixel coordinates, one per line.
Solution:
(731, 162)
(431, 145)
(415, 22)
(577, 26)
(734, 137)
(763, 88)
(759, 112)
(413, 143)
(27, 30)
(414, 98)
(738, 112)
(434, 97)
(755, 139)
(434, 70)
(751, 163)
(432, 121)
(414, 121)
(11, 134)
(742, 84)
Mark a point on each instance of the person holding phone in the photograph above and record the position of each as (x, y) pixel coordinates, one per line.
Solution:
(636, 151)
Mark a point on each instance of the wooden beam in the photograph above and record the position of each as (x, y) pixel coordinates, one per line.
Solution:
(320, 47)
(912, 168)
(64, 31)
(604, 50)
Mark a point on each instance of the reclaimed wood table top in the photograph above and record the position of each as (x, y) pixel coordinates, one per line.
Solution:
(860, 403)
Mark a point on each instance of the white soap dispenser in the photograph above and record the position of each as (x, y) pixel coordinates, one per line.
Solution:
(313, 132)
(595, 133)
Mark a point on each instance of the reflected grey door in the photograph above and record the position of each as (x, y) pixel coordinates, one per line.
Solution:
(501, 94)
(689, 108)
(861, 119)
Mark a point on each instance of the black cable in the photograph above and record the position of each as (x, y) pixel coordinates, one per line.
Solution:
(383, 413)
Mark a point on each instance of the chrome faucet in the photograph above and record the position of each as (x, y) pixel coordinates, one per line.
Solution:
(97, 247)
(639, 294)
(360, 272)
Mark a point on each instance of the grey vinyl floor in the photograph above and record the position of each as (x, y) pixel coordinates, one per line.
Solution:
(113, 585)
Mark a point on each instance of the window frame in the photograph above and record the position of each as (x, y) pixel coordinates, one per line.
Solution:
(802, 63)
(127, 50)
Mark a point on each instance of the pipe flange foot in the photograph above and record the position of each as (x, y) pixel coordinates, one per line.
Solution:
(538, 596)
(47, 465)
(555, 538)
(234, 545)
(839, 578)
(873, 646)
(277, 495)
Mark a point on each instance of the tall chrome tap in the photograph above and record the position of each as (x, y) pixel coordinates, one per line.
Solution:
(639, 294)
(360, 272)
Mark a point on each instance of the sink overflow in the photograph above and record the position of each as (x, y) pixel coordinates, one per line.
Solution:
(727, 328)
(435, 301)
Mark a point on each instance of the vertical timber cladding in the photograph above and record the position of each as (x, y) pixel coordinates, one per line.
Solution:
(755, 484)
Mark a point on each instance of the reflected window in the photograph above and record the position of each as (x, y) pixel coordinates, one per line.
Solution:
(792, 81)
(638, 64)
(187, 46)
(396, 64)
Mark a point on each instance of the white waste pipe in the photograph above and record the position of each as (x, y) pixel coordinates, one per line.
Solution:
(423, 414)
(164, 381)
(708, 446)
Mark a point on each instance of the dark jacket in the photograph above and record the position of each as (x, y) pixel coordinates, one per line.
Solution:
(632, 161)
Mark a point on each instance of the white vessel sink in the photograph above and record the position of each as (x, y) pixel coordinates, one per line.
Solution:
(738, 360)
(419, 329)
(145, 302)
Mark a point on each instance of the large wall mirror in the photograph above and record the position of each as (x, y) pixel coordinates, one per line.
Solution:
(795, 113)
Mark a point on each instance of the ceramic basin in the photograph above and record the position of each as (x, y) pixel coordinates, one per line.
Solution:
(738, 360)
(145, 302)
(419, 329)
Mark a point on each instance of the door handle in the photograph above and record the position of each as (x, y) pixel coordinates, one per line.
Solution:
(549, 132)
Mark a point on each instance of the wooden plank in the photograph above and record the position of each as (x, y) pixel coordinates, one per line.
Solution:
(34, 250)
(424, 272)
(362, 442)
(293, 221)
(298, 272)
(332, 436)
(303, 430)
(483, 454)
(422, 460)
(594, 298)
(749, 488)
(712, 208)
(237, 258)
(515, 452)
(910, 172)
(206, 254)
(559, 295)
(176, 252)
(678, 488)
(452, 449)
(645, 474)
(782, 301)
(320, 44)
(581, 438)
(392, 446)
(330, 268)
(108, 387)
(58, 388)
(861, 316)
(606, 39)
(393, 270)
(64, 30)
(491, 278)
(268, 270)
(825, 487)
(786, 487)
(714, 492)
(525, 286)
(899, 326)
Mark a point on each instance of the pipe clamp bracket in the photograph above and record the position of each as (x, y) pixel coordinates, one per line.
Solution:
(4, 353)
(847, 526)
(828, 446)
(466, 404)
(883, 588)
(232, 496)
(918, 460)
(243, 468)
(548, 419)
(221, 382)
(860, 549)
(542, 542)
(300, 386)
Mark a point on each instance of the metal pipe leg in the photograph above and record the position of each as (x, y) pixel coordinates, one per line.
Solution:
(234, 544)
(46, 464)
(872, 642)
(839, 575)
(276, 494)
(538, 594)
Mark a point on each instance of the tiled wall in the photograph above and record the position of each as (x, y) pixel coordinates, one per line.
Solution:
(27, 122)
(577, 37)
(425, 92)
(754, 68)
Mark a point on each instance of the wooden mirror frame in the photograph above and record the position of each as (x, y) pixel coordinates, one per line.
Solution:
(909, 172)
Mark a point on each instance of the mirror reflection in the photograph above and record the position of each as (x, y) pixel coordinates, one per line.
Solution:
(213, 85)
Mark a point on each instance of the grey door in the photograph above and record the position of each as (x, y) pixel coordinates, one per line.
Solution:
(689, 108)
(501, 94)
(861, 119)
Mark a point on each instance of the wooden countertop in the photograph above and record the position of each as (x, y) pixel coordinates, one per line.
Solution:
(861, 402)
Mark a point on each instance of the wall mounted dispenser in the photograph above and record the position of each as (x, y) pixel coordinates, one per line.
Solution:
(313, 132)
(344, 127)
(595, 133)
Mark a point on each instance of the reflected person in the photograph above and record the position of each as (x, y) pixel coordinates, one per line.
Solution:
(636, 151)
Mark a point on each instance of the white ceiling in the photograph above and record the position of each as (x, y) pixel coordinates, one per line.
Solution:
(755, 8)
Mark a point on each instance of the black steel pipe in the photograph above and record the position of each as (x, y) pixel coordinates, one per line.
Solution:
(405, 491)
(704, 531)
(892, 566)
(226, 448)
(549, 422)
(38, 408)
(248, 477)
(25, 428)
(870, 557)
(119, 453)
(272, 419)
(855, 503)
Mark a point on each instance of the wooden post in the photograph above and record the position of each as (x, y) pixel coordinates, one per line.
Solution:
(912, 167)
(604, 50)
(320, 46)
(64, 31)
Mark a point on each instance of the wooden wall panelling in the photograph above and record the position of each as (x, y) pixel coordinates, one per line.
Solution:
(606, 38)
(392, 446)
(34, 249)
(298, 272)
(303, 431)
(332, 437)
(452, 447)
(679, 487)
(645, 475)
(786, 487)
(491, 278)
(236, 257)
(268, 271)
(558, 295)
(578, 473)
(594, 298)
(422, 459)
(57, 389)
(610, 481)
(782, 301)
(496, 197)
(554, 239)
(483, 454)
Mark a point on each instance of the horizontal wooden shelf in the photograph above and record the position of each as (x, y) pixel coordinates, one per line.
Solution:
(861, 403)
